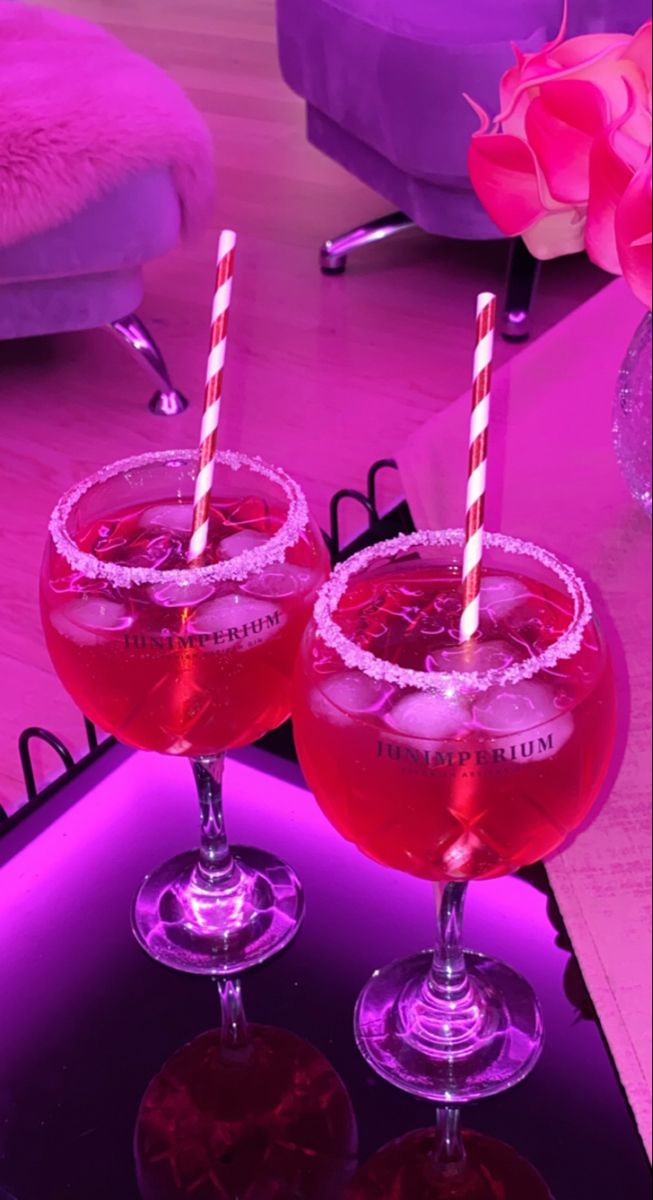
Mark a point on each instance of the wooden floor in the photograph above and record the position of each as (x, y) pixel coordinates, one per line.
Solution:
(324, 375)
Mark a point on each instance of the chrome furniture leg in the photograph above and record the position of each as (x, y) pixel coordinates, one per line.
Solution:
(333, 255)
(166, 401)
(523, 276)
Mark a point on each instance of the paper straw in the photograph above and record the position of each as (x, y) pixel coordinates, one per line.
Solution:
(486, 315)
(212, 397)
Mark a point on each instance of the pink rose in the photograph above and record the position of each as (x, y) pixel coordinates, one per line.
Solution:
(533, 167)
(619, 223)
(634, 234)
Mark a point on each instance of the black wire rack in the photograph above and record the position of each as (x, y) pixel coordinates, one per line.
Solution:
(378, 528)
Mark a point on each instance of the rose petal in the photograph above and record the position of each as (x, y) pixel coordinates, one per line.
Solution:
(562, 124)
(634, 234)
(631, 132)
(557, 234)
(507, 91)
(527, 66)
(620, 82)
(616, 76)
(483, 117)
(504, 175)
(610, 175)
(640, 52)
(583, 51)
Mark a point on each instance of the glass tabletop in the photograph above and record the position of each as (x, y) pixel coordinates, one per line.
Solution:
(88, 1022)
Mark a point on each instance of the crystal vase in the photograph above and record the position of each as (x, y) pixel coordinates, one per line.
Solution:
(633, 411)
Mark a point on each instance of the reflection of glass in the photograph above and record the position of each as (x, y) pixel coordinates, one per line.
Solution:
(250, 1112)
(453, 763)
(447, 1164)
(189, 662)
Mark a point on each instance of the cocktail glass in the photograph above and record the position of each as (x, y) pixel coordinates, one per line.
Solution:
(191, 662)
(453, 762)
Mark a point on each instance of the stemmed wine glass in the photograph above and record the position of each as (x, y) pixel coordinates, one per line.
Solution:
(189, 662)
(453, 762)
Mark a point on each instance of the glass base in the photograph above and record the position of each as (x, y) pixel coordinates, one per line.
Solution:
(478, 1049)
(188, 925)
(409, 1169)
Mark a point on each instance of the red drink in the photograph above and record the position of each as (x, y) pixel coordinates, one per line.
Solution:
(464, 783)
(183, 667)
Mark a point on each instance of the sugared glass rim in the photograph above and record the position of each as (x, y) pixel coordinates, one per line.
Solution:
(452, 682)
(236, 569)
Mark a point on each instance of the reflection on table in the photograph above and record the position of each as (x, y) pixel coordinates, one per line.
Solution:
(266, 1118)
(447, 1164)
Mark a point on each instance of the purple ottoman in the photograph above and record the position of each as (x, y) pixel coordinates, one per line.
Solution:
(104, 165)
(384, 83)
(88, 272)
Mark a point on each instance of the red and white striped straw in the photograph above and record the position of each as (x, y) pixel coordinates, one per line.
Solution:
(486, 315)
(212, 397)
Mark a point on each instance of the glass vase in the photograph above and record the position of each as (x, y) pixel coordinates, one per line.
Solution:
(633, 411)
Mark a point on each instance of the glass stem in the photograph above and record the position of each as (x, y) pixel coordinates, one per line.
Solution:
(449, 1013)
(215, 864)
(448, 982)
(235, 1029)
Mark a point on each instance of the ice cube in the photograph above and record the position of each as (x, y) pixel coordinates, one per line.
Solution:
(428, 715)
(180, 595)
(500, 594)
(238, 621)
(280, 581)
(524, 715)
(177, 518)
(469, 858)
(238, 543)
(345, 695)
(88, 619)
(355, 693)
(477, 657)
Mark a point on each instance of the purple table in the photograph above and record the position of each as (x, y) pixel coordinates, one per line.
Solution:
(88, 1020)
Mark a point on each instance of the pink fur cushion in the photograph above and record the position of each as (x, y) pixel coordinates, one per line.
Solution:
(79, 113)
